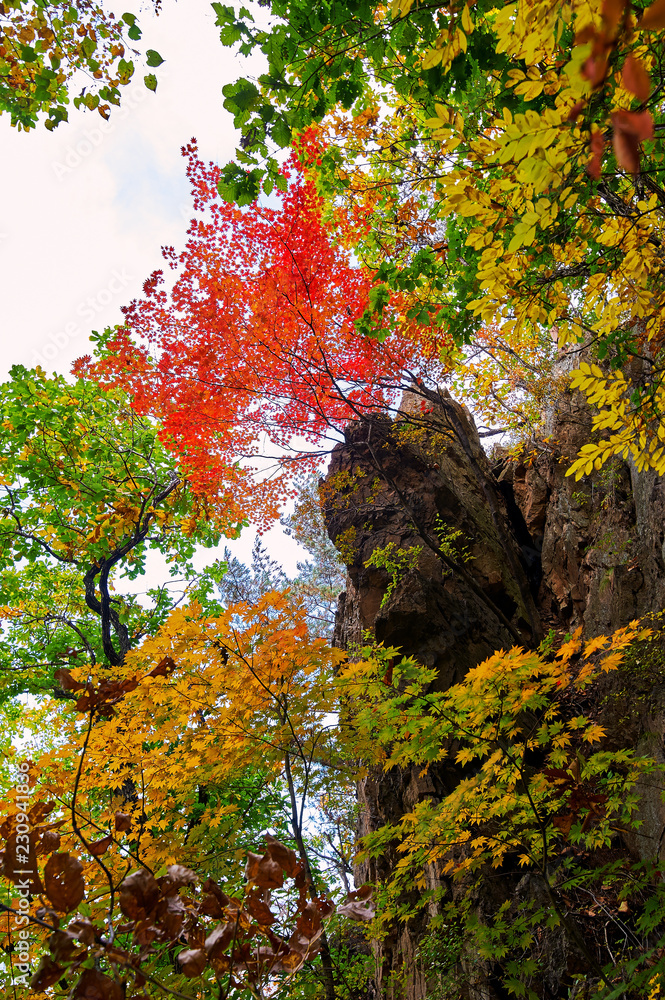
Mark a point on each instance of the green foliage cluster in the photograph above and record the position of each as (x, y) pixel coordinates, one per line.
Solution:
(44, 43)
(398, 562)
(87, 492)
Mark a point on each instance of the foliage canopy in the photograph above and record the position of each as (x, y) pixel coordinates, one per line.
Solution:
(472, 196)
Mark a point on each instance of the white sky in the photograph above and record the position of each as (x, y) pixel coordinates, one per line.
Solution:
(86, 208)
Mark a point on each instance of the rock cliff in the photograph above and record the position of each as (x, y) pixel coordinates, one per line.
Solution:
(508, 550)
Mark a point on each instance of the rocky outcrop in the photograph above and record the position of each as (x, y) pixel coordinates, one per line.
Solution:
(424, 482)
(600, 538)
(508, 549)
(413, 484)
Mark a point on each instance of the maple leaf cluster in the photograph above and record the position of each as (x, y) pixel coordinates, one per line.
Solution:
(255, 350)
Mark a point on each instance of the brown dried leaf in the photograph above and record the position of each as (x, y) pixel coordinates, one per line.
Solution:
(119, 956)
(564, 823)
(266, 960)
(587, 34)
(210, 906)
(100, 846)
(357, 910)
(595, 69)
(211, 886)
(63, 881)
(304, 945)
(50, 841)
(177, 876)
(575, 111)
(282, 855)
(263, 871)
(597, 145)
(653, 17)
(300, 880)
(123, 822)
(48, 914)
(94, 985)
(325, 907)
(192, 961)
(260, 910)
(221, 964)
(40, 811)
(217, 942)
(169, 915)
(83, 930)
(636, 79)
(63, 945)
(64, 678)
(365, 891)
(46, 975)
(293, 961)
(196, 936)
(145, 933)
(309, 923)
(163, 668)
(637, 123)
(139, 894)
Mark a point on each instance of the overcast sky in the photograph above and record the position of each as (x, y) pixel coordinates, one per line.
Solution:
(86, 208)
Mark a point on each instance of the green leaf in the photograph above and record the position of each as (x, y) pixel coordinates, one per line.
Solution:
(153, 58)
(240, 96)
(281, 133)
(150, 81)
(125, 70)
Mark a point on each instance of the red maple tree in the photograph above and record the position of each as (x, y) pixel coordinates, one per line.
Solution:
(254, 350)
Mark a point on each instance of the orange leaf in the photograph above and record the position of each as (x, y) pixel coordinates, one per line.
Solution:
(612, 13)
(630, 128)
(594, 166)
(575, 111)
(636, 79)
(653, 17)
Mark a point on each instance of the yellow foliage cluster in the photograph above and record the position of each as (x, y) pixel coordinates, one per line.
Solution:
(247, 689)
(503, 712)
(558, 252)
(636, 428)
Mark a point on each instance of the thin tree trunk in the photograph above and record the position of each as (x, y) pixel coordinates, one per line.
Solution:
(326, 958)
